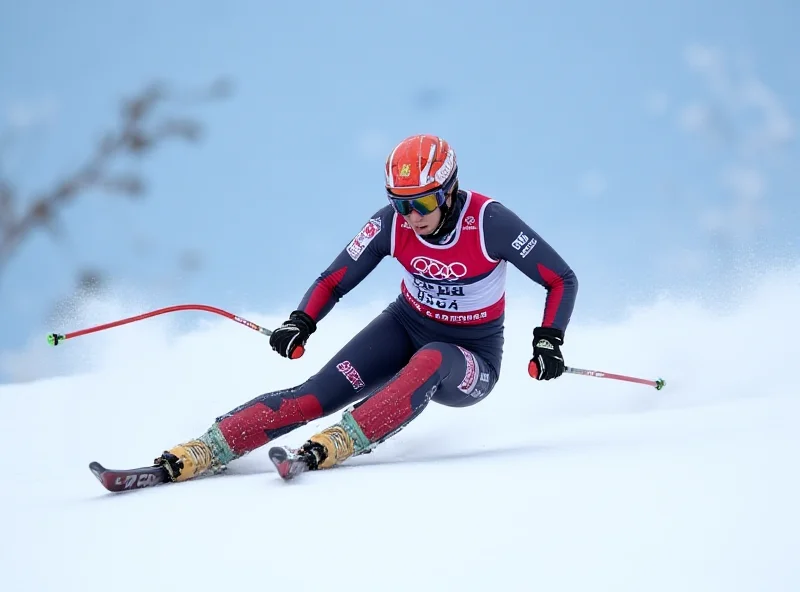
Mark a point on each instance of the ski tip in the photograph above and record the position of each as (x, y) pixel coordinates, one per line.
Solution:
(278, 454)
(288, 464)
(97, 470)
(280, 458)
(128, 479)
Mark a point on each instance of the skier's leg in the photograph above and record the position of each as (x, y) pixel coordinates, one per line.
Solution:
(366, 361)
(469, 381)
(449, 374)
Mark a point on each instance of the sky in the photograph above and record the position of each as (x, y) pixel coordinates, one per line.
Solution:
(576, 484)
(654, 146)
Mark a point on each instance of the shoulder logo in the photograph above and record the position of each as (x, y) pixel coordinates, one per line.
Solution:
(525, 243)
(359, 244)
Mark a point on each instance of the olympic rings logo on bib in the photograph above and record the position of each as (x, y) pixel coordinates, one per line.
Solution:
(436, 270)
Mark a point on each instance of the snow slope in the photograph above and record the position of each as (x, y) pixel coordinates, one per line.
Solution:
(578, 484)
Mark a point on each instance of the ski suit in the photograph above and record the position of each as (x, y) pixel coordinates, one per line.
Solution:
(440, 340)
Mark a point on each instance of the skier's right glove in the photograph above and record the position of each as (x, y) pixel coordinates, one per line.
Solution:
(290, 338)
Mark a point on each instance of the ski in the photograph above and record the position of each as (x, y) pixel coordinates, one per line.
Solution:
(129, 479)
(288, 462)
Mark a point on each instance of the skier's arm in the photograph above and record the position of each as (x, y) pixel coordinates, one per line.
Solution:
(351, 266)
(508, 237)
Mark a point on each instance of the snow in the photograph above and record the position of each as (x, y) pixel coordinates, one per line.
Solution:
(577, 484)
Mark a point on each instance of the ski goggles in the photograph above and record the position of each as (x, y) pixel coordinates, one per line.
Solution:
(422, 204)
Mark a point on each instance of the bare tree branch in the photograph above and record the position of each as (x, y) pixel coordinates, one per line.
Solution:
(136, 135)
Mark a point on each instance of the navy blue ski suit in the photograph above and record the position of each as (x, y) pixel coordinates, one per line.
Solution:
(440, 340)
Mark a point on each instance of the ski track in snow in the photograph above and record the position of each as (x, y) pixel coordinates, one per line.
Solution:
(577, 484)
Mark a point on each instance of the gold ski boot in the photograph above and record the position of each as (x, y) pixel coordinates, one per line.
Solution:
(187, 460)
(330, 447)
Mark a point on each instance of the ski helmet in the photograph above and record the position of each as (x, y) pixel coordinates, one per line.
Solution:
(420, 172)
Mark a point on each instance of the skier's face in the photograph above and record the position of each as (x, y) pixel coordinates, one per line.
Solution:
(424, 225)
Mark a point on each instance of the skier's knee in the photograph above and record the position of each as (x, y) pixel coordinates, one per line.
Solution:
(398, 402)
(430, 356)
(438, 346)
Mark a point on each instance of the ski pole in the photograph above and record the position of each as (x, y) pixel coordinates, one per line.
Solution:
(659, 383)
(56, 338)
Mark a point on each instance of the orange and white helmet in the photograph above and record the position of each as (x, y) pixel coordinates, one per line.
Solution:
(420, 164)
(419, 173)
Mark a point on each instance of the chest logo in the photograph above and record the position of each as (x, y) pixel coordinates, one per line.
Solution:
(436, 270)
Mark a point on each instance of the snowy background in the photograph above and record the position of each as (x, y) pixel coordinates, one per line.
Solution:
(654, 146)
(578, 484)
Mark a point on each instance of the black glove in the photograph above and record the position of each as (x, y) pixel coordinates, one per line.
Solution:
(547, 362)
(290, 338)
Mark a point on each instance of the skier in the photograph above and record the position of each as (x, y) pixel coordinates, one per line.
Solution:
(440, 340)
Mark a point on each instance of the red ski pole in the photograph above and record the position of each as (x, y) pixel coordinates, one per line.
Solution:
(56, 338)
(659, 383)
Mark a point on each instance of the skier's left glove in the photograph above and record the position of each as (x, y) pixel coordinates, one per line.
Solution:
(547, 361)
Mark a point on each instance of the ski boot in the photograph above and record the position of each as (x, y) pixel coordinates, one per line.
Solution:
(330, 447)
(188, 460)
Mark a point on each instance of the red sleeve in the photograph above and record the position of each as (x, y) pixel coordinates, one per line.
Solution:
(354, 263)
(508, 237)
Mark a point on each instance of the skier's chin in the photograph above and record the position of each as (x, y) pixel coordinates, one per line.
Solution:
(422, 230)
